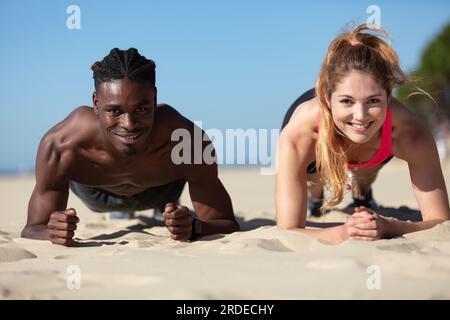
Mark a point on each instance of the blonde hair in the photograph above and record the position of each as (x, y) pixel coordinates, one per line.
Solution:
(361, 49)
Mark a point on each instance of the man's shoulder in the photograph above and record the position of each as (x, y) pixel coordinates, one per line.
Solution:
(171, 119)
(75, 129)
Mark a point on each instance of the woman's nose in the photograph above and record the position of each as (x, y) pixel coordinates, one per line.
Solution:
(359, 112)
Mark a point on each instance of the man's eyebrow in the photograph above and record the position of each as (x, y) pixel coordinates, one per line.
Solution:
(112, 105)
(143, 102)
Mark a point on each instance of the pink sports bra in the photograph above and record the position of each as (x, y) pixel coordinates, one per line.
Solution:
(384, 153)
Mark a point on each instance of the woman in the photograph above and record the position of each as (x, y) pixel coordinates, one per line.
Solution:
(351, 123)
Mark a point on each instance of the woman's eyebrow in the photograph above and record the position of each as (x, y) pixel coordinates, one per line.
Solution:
(371, 96)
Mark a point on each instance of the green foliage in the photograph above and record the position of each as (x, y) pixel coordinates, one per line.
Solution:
(432, 76)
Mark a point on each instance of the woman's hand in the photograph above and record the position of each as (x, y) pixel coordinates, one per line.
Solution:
(365, 224)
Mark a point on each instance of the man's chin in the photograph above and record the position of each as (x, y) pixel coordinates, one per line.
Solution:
(129, 151)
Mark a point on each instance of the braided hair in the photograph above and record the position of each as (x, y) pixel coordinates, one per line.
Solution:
(123, 64)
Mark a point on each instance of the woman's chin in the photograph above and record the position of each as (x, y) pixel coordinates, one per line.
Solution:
(358, 138)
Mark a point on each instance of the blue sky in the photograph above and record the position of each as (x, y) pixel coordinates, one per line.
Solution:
(229, 64)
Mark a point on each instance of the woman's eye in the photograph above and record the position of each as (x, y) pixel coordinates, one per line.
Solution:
(371, 101)
(346, 101)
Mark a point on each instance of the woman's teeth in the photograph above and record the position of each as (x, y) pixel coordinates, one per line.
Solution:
(358, 126)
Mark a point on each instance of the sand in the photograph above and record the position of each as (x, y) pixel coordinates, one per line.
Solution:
(135, 259)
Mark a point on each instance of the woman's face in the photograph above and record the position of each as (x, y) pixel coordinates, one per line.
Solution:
(358, 106)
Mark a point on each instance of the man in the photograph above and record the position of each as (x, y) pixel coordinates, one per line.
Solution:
(116, 156)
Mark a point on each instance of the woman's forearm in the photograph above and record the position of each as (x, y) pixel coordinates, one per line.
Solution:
(398, 228)
(333, 235)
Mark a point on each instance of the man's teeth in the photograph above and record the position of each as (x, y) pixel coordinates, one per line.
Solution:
(132, 137)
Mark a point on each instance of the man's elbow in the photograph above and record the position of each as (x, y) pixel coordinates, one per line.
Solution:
(234, 227)
(25, 232)
(36, 232)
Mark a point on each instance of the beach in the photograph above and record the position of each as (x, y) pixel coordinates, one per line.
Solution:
(135, 259)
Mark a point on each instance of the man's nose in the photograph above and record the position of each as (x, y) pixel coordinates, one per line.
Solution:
(127, 122)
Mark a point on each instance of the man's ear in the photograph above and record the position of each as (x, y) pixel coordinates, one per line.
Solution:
(95, 102)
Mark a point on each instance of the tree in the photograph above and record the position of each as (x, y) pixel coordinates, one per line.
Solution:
(432, 76)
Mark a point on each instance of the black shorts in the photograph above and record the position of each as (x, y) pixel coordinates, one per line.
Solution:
(100, 200)
(308, 95)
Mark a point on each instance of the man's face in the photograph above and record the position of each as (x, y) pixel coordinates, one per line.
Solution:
(359, 107)
(125, 110)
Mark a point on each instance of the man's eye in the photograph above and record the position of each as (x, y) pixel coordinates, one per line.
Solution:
(114, 111)
(143, 110)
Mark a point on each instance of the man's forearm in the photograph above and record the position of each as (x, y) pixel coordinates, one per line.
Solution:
(398, 228)
(37, 232)
(224, 226)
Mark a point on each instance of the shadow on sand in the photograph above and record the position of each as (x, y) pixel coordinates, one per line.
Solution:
(402, 213)
(144, 223)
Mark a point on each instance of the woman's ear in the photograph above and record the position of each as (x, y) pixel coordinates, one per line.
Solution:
(328, 101)
(389, 96)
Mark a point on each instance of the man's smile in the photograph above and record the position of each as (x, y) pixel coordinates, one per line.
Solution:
(129, 137)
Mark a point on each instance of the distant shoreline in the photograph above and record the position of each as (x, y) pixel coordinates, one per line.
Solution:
(18, 172)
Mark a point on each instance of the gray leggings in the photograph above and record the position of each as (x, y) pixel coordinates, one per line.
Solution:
(100, 200)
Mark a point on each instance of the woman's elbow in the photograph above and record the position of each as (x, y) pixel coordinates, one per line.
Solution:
(289, 225)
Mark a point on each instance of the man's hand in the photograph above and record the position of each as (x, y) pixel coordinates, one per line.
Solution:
(178, 220)
(365, 224)
(62, 226)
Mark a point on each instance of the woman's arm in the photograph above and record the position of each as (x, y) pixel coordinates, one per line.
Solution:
(294, 151)
(416, 145)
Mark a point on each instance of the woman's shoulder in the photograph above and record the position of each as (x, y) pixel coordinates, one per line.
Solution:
(408, 130)
(303, 122)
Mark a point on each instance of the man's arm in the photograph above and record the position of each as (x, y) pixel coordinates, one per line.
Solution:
(211, 203)
(48, 218)
(210, 200)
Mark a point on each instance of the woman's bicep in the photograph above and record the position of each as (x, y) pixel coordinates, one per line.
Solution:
(426, 177)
